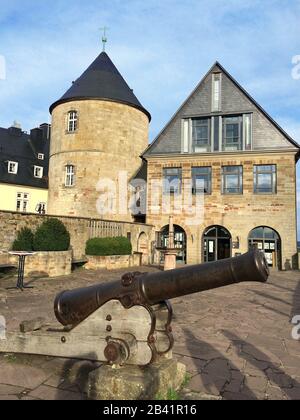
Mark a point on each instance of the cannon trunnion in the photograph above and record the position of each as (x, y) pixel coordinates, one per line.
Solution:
(129, 321)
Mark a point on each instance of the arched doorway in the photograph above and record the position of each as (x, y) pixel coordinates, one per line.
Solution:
(216, 244)
(179, 242)
(143, 248)
(267, 240)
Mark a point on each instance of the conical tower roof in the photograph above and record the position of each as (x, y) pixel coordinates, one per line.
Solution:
(102, 81)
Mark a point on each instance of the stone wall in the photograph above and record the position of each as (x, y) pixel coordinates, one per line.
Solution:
(112, 262)
(46, 264)
(81, 229)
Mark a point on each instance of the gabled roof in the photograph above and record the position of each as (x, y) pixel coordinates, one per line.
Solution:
(20, 147)
(101, 80)
(217, 66)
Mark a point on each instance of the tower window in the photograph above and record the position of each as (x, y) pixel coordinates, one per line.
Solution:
(70, 176)
(72, 121)
(13, 167)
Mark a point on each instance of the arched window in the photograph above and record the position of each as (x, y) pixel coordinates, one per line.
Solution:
(267, 240)
(180, 239)
(72, 121)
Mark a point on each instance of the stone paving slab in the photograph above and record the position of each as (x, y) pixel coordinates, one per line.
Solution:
(236, 342)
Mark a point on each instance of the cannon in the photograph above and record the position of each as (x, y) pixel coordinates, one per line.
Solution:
(128, 322)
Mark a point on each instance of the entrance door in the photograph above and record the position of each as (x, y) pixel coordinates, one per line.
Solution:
(267, 240)
(216, 244)
(209, 250)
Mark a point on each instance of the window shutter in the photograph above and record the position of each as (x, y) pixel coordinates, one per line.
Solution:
(185, 135)
(216, 92)
(247, 131)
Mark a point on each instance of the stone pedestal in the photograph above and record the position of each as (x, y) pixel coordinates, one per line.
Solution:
(136, 383)
(170, 260)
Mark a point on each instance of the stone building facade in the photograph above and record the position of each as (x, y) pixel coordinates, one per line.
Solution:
(246, 166)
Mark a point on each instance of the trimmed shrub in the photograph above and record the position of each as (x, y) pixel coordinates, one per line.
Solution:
(24, 240)
(108, 246)
(52, 235)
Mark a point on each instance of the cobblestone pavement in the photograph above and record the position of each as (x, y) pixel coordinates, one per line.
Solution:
(236, 342)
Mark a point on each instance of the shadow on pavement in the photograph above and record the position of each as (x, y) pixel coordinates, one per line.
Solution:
(256, 358)
(212, 378)
(74, 378)
(296, 302)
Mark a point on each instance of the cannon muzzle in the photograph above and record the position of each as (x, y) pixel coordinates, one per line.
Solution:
(72, 307)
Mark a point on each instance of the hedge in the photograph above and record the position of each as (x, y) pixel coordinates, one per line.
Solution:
(52, 235)
(24, 240)
(108, 246)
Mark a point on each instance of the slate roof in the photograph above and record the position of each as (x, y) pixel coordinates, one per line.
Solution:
(18, 146)
(101, 80)
(218, 66)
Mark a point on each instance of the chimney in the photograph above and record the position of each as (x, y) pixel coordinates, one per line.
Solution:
(36, 134)
(46, 128)
(15, 129)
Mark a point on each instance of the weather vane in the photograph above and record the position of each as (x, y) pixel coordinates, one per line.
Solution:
(104, 37)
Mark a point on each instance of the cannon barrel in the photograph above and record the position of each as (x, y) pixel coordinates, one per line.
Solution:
(72, 307)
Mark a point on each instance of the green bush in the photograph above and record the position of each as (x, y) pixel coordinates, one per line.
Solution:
(108, 246)
(24, 240)
(52, 235)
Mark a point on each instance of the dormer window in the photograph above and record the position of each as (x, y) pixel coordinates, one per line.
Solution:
(13, 167)
(72, 121)
(38, 172)
(41, 156)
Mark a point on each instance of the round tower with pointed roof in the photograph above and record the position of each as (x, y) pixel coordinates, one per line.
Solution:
(99, 131)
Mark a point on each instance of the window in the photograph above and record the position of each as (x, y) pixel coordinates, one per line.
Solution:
(232, 180)
(216, 92)
(22, 202)
(38, 172)
(201, 135)
(201, 180)
(265, 179)
(70, 176)
(41, 208)
(41, 156)
(172, 180)
(72, 121)
(13, 167)
(232, 135)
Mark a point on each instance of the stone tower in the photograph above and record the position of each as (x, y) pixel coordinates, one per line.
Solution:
(99, 129)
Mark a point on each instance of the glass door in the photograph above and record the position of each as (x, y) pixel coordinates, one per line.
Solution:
(209, 250)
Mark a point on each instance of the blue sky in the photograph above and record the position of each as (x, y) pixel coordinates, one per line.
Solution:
(162, 48)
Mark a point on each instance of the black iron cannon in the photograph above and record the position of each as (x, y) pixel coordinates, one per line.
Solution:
(127, 324)
(133, 316)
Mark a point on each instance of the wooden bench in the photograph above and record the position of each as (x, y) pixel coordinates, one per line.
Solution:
(79, 262)
(7, 266)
